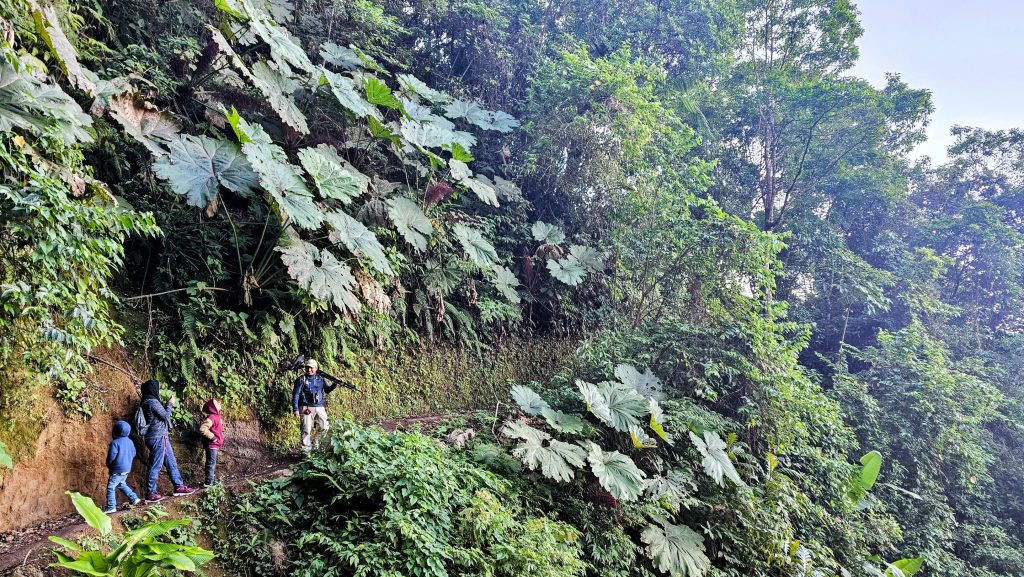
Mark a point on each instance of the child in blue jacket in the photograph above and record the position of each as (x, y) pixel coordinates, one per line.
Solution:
(120, 455)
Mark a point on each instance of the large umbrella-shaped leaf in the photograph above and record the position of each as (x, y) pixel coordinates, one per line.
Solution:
(344, 89)
(555, 459)
(528, 400)
(617, 405)
(676, 549)
(279, 90)
(567, 270)
(548, 234)
(358, 239)
(617, 473)
(48, 25)
(284, 48)
(506, 282)
(198, 165)
(340, 56)
(321, 274)
(476, 246)
(588, 257)
(417, 86)
(410, 221)
(645, 383)
(332, 177)
(484, 191)
(562, 422)
(716, 461)
(378, 93)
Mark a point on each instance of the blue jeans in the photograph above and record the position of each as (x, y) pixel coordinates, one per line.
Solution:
(211, 465)
(160, 452)
(118, 481)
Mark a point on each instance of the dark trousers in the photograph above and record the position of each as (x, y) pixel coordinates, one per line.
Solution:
(211, 465)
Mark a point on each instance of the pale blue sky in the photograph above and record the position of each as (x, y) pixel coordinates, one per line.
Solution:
(969, 53)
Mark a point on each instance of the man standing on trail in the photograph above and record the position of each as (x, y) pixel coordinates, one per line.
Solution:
(309, 400)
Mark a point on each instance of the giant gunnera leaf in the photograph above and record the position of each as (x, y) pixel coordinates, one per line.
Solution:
(567, 270)
(321, 274)
(616, 404)
(555, 459)
(358, 239)
(617, 473)
(528, 400)
(476, 246)
(548, 234)
(716, 460)
(676, 549)
(410, 221)
(332, 177)
(505, 282)
(198, 165)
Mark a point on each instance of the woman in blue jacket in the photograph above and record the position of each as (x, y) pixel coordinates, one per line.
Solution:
(158, 416)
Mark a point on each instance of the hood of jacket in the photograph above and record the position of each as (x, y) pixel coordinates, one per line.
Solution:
(121, 429)
(151, 388)
(212, 407)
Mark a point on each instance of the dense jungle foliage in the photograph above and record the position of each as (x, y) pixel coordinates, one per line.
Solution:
(792, 350)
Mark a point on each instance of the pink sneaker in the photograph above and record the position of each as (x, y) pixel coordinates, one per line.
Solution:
(183, 490)
(155, 498)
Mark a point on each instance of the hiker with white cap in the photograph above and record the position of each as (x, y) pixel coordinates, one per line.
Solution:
(309, 400)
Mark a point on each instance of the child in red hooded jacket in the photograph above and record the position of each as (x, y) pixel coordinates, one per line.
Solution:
(213, 429)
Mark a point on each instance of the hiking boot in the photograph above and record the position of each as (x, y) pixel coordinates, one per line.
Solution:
(183, 490)
(155, 498)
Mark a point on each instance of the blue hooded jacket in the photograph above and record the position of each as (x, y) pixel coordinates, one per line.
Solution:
(157, 415)
(122, 451)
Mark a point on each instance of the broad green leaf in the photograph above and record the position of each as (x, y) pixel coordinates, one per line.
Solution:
(26, 102)
(5, 458)
(48, 26)
(483, 191)
(320, 273)
(657, 422)
(92, 514)
(340, 56)
(247, 132)
(285, 184)
(279, 90)
(562, 422)
(64, 542)
(426, 134)
(417, 86)
(508, 190)
(503, 122)
(617, 405)
(591, 260)
(640, 438)
(528, 400)
(556, 460)
(566, 270)
(548, 234)
(716, 461)
(180, 561)
(460, 153)
(284, 48)
(378, 93)
(471, 112)
(645, 383)
(144, 122)
(872, 464)
(506, 282)
(909, 566)
(89, 563)
(676, 550)
(333, 179)
(410, 221)
(476, 246)
(460, 170)
(616, 473)
(344, 89)
(358, 239)
(198, 165)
